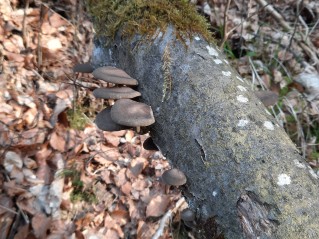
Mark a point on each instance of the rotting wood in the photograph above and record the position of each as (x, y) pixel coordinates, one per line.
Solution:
(253, 182)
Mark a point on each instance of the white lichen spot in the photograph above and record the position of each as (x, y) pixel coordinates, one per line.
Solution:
(214, 193)
(283, 179)
(226, 73)
(242, 123)
(212, 51)
(217, 61)
(269, 125)
(298, 164)
(240, 79)
(241, 88)
(242, 99)
(226, 62)
(197, 38)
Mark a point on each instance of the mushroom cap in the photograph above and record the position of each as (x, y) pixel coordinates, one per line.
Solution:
(149, 144)
(174, 177)
(131, 113)
(114, 75)
(104, 122)
(116, 93)
(83, 68)
(188, 215)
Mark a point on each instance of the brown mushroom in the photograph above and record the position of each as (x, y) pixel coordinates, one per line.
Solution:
(116, 93)
(188, 215)
(131, 113)
(114, 75)
(104, 122)
(174, 177)
(83, 68)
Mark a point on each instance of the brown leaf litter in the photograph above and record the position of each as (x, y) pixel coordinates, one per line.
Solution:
(58, 182)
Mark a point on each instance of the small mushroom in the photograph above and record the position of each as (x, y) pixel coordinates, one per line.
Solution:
(174, 177)
(149, 144)
(83, 68)
(116, 93)
(114, 75)
(104, 122)
(131, 113)
(188, 215)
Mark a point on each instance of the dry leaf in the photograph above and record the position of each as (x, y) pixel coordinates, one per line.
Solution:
(111, 139)
(126, 188)
(12, 189)
(120, 177)
(120, 216)
(268, 98)
(11, 160)
(157, 206)
(106, 176)
(111, 234)
(40, 224)
(110, 223)
(145, 230)
(310, 81)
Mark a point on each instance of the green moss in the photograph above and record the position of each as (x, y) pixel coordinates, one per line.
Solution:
(77, 118)
(145, 17)
(78, 193)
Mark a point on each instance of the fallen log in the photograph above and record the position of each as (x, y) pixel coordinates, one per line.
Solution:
(245, 178)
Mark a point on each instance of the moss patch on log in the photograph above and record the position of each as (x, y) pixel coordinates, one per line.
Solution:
(145, 17)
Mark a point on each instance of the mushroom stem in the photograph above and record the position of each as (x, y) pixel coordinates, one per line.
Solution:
(167, 188)
(138, 129)
(110, 102)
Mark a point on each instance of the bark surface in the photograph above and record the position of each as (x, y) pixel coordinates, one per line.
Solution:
(244, 173)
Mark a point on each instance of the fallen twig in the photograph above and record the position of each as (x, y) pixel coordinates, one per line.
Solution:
(166, 217)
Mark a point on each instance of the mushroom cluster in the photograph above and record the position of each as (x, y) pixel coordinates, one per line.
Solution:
(125, 113)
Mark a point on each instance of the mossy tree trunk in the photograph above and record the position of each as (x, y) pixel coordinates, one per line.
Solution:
(244, 173)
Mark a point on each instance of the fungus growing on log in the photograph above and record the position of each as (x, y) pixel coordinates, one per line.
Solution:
(188, 215)
(230, 149)
(116, 93)
(104, 121)
(131, 113)
(114, 75)
(174, 177)
(83, 68)
(125, 113)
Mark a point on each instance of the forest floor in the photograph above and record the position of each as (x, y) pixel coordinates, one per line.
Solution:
(62, 177)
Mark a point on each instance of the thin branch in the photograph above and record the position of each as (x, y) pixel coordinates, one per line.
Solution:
(225, 34)
(24, 25)
(9, 210)
(166, 217)
(275, 14)
(240, 24)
